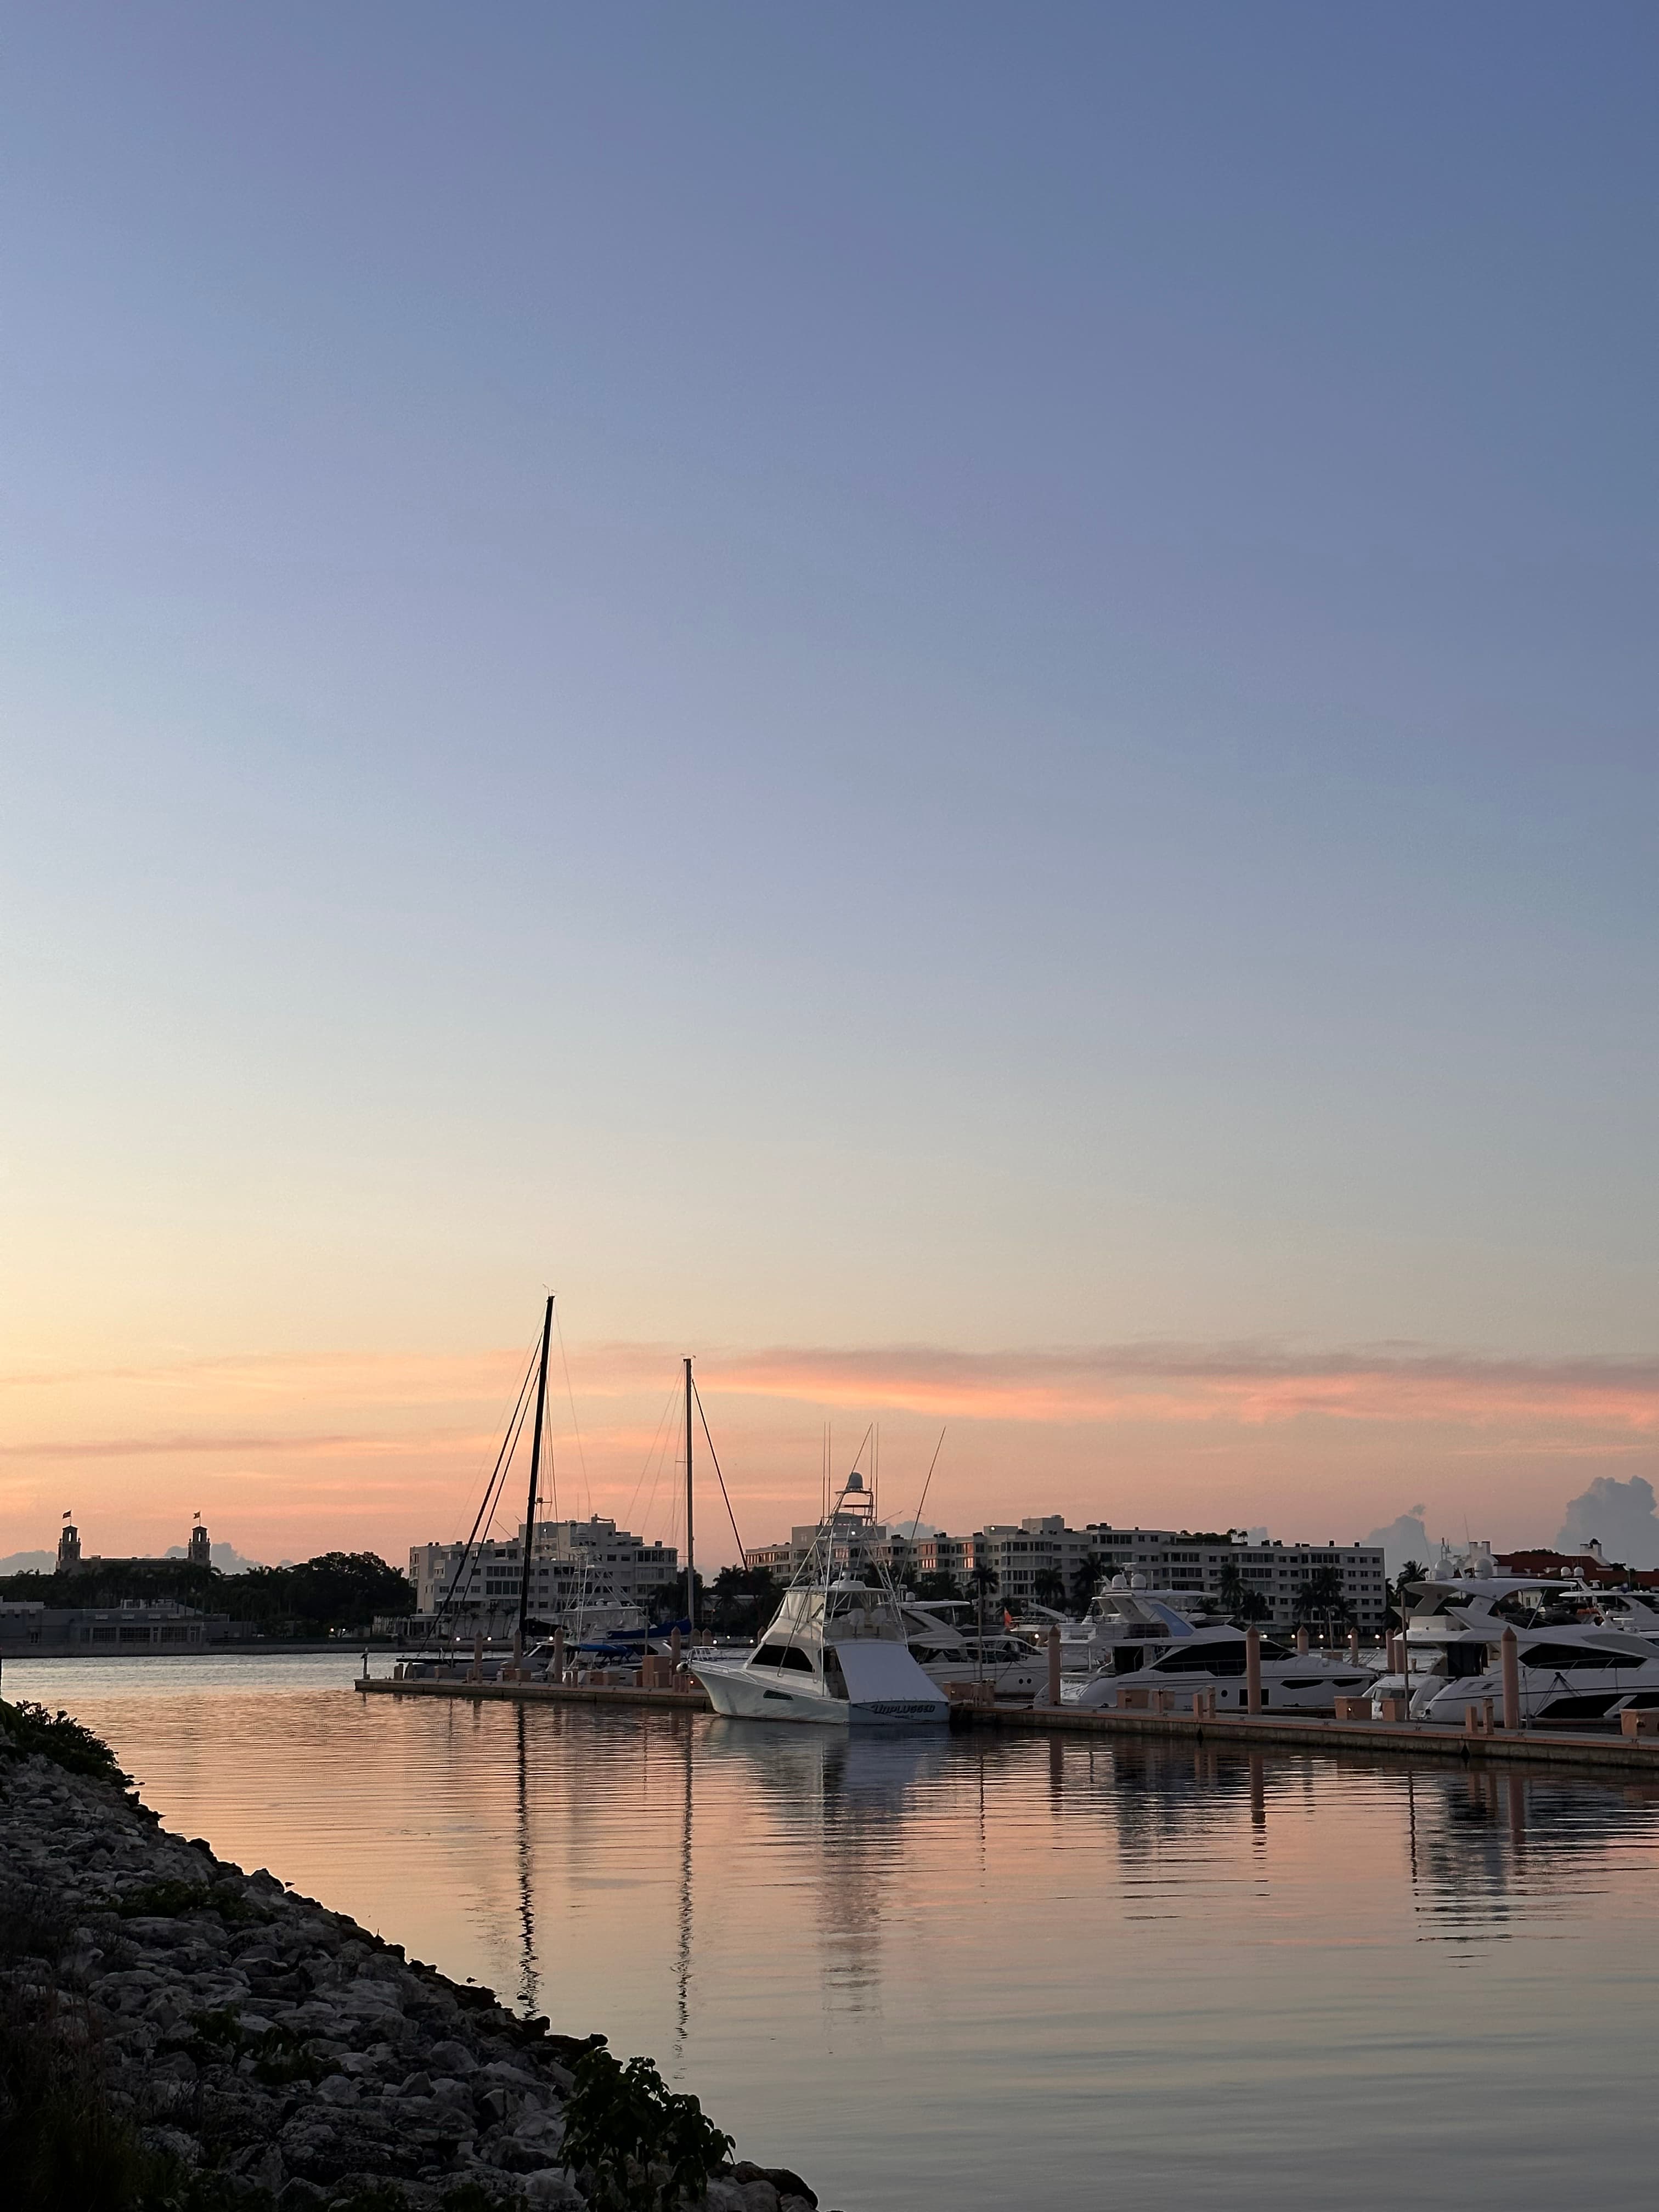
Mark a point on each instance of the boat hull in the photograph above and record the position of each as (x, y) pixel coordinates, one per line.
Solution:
(756, 1693)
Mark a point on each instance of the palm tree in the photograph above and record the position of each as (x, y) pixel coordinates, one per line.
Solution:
(1049, 1587)
(1322, 1597)
(1413, 1572)
(982, 1580)
(1237, 1600)
(743, 1597)
(1085, 1581)
(935, 1589)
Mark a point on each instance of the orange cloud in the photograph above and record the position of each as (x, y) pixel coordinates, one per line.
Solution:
(303, 1449)
(1185, 1382)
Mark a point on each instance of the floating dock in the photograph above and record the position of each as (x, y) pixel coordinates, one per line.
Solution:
(1313, 1732)
(1286, 1731)
(534, 1694)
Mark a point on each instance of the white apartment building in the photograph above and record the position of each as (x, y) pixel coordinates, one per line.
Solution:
(1275, 1571)
(592, 1564)
(851, 1533)
(1168, 1559)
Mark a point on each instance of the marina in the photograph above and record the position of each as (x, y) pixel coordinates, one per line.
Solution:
(1484, 1667)
(959, 1970)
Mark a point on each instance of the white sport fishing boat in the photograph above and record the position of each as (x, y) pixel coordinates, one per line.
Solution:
(837, 1654)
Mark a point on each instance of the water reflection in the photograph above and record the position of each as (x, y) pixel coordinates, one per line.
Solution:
(973, 1971)
(529, 1980)
(845, 1797)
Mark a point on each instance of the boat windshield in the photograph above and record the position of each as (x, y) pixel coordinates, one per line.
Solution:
(855, 1603)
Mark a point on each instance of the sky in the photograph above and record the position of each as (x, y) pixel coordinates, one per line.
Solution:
(951, 704)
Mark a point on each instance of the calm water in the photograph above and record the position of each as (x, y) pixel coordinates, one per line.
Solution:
(971, 1974)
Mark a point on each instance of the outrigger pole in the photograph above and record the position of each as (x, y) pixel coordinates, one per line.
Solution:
(536, 1470)
(691, 1572)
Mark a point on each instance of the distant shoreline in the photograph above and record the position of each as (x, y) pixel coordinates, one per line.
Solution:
(345, 1647)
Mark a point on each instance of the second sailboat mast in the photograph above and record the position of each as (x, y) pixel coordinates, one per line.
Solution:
(535, 1473)
(690, 1570)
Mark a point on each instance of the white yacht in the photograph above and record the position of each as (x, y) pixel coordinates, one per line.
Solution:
(837, 1653)
(1455, 1623)
(1212, 1657)
(1569, 1678)
(1125, 1614)
(950, 1648)
(1585, 1654)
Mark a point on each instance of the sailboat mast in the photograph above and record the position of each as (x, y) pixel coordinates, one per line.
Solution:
(535, 1471)
(691, 1572)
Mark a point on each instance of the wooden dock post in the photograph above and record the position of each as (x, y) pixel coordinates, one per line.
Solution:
(557, 1667)
(1053, 1665)
(1511, 1651)
(1252, 1670)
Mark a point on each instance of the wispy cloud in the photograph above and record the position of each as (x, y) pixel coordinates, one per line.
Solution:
(381, 1405)
(1249, 1383)
(223, 1444)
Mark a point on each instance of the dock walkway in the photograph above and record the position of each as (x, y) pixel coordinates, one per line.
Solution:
(1402, 1739)
(535, 1694)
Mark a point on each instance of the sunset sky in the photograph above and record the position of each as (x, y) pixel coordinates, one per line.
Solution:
(952, 704)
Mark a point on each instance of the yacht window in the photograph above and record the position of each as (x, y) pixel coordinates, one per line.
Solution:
(1202, 1659)
(1577, 1656)
(1590, 1708)
(769, 1655)
(798, 1660)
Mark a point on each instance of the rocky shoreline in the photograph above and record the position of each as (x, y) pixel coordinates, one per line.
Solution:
(179, 2034)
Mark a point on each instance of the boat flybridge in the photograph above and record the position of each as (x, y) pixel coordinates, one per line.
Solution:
(1126, 1617)
(1585, 1653)
(837, 1653)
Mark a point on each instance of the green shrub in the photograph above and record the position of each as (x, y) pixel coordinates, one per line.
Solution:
(643, 2142)
(164, 1900)
(27, 1727)
(168, 1899)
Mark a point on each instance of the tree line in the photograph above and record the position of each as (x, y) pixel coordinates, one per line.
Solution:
(337, 1592)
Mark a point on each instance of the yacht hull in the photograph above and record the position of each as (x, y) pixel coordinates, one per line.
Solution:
(1311, 1685)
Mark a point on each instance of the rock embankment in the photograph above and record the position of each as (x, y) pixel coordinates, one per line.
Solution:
(177, 2031)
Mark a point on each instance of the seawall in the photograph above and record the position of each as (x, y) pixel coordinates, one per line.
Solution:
(174, 2029)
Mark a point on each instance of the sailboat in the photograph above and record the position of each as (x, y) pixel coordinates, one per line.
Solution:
(575, 1624)
(837, 1653)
